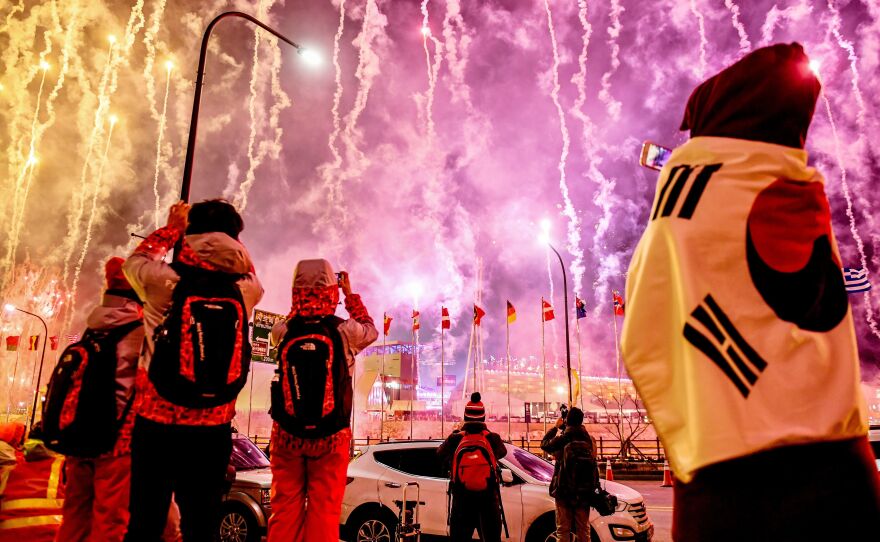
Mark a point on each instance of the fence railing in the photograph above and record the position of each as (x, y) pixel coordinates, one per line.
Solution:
(606, 448)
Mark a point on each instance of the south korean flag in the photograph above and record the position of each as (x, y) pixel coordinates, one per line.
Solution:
(738, 333)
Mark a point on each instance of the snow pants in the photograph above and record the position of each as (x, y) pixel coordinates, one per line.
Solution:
(96, 506)
(307, 493)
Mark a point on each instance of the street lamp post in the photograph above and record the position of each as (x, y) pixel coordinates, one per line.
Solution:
(42, 357)
(197, 97)
(567, 341)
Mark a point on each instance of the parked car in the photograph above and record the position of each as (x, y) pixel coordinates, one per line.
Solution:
(246, 506)
(376, 478)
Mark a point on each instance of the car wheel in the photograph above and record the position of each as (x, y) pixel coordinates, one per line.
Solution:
(374, 526)
(238, 525)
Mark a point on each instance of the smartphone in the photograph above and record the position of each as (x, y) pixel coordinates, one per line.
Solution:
(563, 411)
(339, 279)
(654, 156)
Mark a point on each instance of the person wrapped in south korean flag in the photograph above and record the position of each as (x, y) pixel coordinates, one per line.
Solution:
(738, 333)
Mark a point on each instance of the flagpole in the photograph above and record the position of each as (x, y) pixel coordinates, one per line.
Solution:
(412, 381)
(617, 360)
(442, 382)
(509, 436)
(382, 377)
(577, 333)
(467, 366)
(476, 352)
(543, 368)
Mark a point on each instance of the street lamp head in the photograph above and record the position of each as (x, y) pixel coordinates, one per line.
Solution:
(310, 56)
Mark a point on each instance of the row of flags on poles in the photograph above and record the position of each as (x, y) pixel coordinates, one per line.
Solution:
(12, 342)
(547, 313)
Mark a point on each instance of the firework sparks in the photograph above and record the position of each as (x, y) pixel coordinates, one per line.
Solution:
(744, 44)
(614, 30)
(96, 192)
(704, 42)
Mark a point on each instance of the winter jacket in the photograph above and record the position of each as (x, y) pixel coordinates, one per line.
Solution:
(554, 443)
(447, 449)
(154, 281)
(315, 292)
(116, 309)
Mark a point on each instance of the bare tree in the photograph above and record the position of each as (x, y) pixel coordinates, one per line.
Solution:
(625, 429)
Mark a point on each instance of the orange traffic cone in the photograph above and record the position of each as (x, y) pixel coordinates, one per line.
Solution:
(667, 475)
(609, 474)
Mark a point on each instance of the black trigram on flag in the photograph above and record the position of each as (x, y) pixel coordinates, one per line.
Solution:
(672, 189)
(724, 345)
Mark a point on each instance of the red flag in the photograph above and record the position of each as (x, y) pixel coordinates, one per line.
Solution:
(478, 315)
(387, 324)
(547, 310)
(415, 319)
(53, 342)
(445, 323)
(12, 343)
(618, 303)
(33, 342)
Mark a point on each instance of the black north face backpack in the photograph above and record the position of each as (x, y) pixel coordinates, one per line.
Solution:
(578, 473)
(79, 415)
(202, 350)
(312, 396)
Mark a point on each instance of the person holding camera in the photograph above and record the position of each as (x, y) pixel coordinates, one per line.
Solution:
(312, 403)
(575, 475)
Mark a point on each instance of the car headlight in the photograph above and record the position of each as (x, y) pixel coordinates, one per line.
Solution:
(265, 497)
(621, 532)
(621, 506)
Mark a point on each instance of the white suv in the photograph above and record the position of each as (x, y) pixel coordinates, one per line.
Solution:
(376, 478)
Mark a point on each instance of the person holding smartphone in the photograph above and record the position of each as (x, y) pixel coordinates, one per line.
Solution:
(311, 405)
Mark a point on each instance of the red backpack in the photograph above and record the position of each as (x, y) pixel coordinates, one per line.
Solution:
(474, 466)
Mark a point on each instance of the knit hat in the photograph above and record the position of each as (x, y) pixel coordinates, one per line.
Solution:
(575, 417)
(474, 411)
(114, 276)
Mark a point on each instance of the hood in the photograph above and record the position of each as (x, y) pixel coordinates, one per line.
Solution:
(219, 251)
(769, 95)
(315, 290)
(114, 311)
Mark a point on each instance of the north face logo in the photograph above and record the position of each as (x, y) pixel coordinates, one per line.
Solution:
(724, 345)
(307, 346)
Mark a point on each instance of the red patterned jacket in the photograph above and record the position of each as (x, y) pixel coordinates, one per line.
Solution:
(154, 281)
(315, 293)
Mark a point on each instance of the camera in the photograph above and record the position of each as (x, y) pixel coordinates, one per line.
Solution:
(563, 411)
(339, 279)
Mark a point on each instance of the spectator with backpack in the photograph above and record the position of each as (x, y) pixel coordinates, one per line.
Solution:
(87, 414)
(312, 402)
(473, 453)
(575, 475)
(195, 361)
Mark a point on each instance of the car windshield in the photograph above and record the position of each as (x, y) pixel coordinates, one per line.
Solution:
(536, 467)
(246, 455)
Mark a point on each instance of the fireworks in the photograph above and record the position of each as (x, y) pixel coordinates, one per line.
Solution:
(407, 140)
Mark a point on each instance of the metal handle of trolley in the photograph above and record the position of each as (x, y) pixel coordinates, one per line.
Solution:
(409, 529)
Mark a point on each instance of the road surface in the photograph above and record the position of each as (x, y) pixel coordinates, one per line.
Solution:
(659, 502)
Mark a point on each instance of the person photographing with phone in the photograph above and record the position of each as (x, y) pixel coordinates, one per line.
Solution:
(575, 476)
(312, 403)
